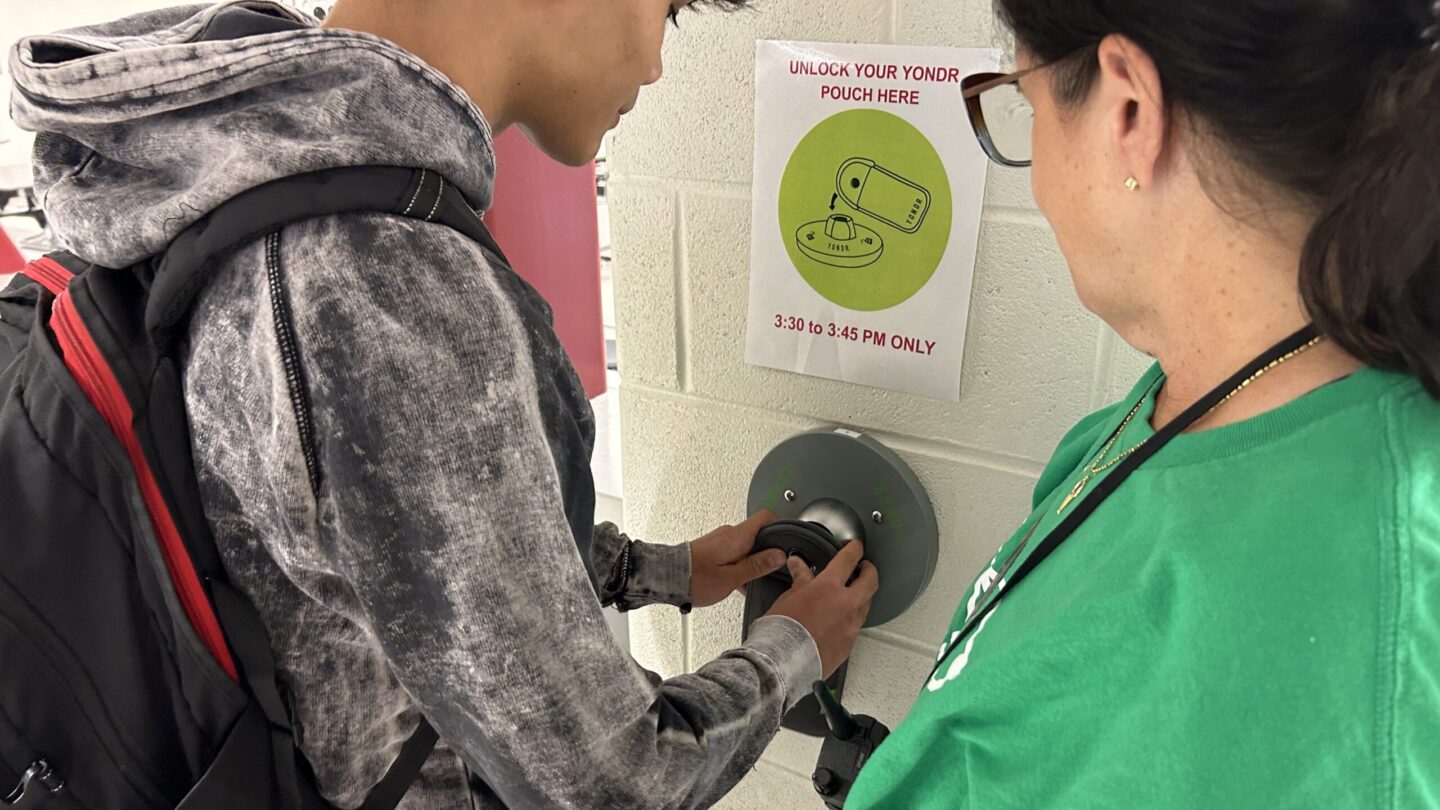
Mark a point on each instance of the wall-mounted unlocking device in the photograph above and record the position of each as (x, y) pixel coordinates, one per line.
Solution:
(828, 487)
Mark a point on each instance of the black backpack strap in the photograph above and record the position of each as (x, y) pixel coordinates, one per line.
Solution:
(419, 193)
(179, 275)
(251, 645)
(247, 637)
(404, 770)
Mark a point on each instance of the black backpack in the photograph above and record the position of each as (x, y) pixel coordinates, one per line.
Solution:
(132, 675)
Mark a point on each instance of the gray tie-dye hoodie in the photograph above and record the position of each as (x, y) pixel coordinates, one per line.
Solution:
(438, 571)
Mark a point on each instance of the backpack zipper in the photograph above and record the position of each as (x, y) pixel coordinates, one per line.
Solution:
(64, 669)
(290, 358)
(38, 774)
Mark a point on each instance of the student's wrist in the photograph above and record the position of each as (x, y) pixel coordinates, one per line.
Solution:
(652, 573)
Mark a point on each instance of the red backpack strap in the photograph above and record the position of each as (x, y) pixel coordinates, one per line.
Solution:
(87, 364)
(51, 274)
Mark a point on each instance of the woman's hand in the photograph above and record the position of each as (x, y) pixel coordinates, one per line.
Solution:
(721, 562)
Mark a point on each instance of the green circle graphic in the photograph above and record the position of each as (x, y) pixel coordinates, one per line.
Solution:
(865, 209)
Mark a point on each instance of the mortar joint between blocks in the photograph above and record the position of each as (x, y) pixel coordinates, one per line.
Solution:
(683, 375)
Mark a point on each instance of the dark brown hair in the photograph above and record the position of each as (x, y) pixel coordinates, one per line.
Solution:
(1336, 102)
(722, 5)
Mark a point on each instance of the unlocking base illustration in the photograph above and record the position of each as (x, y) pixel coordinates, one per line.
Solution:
(840, 242)
(865, 209)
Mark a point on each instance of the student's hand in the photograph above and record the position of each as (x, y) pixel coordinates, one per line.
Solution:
(721, 562)
(827, 606)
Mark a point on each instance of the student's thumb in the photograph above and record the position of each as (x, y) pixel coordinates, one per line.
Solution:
(761, 564)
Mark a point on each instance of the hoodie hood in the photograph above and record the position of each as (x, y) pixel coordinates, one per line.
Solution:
(145, 124)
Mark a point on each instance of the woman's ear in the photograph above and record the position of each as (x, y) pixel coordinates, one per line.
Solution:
(1132, 103)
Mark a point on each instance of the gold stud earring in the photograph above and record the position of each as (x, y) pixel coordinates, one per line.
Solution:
(1132, 184)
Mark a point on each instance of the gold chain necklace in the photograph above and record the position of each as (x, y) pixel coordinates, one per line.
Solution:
(1096, 467)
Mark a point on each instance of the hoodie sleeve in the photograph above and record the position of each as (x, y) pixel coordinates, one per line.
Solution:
(440, 507)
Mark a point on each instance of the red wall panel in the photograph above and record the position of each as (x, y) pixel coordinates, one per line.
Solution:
(544, 218)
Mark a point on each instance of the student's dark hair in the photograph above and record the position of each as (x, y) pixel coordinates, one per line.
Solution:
(721, 5)
(1336, 102)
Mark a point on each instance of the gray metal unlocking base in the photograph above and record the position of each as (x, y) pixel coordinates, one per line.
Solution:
(815, 476)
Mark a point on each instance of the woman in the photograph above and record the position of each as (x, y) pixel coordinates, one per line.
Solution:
(1229, 592)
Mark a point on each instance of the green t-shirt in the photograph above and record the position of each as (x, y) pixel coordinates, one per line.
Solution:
(1251, 620)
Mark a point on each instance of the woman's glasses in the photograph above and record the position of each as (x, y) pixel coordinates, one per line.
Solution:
(1001, 115)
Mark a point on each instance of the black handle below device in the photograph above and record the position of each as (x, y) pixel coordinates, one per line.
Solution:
(853, 739)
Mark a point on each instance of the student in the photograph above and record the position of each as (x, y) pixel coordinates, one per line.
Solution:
(402, 485)
(1251, 618)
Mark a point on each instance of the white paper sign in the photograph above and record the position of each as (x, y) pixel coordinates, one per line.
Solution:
(868, 189)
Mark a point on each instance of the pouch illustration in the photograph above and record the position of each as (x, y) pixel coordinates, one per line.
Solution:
(877, 191)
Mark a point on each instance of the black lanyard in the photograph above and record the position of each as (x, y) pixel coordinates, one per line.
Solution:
(991, 597)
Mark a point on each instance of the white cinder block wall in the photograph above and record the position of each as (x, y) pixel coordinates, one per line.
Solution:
(697, 419)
